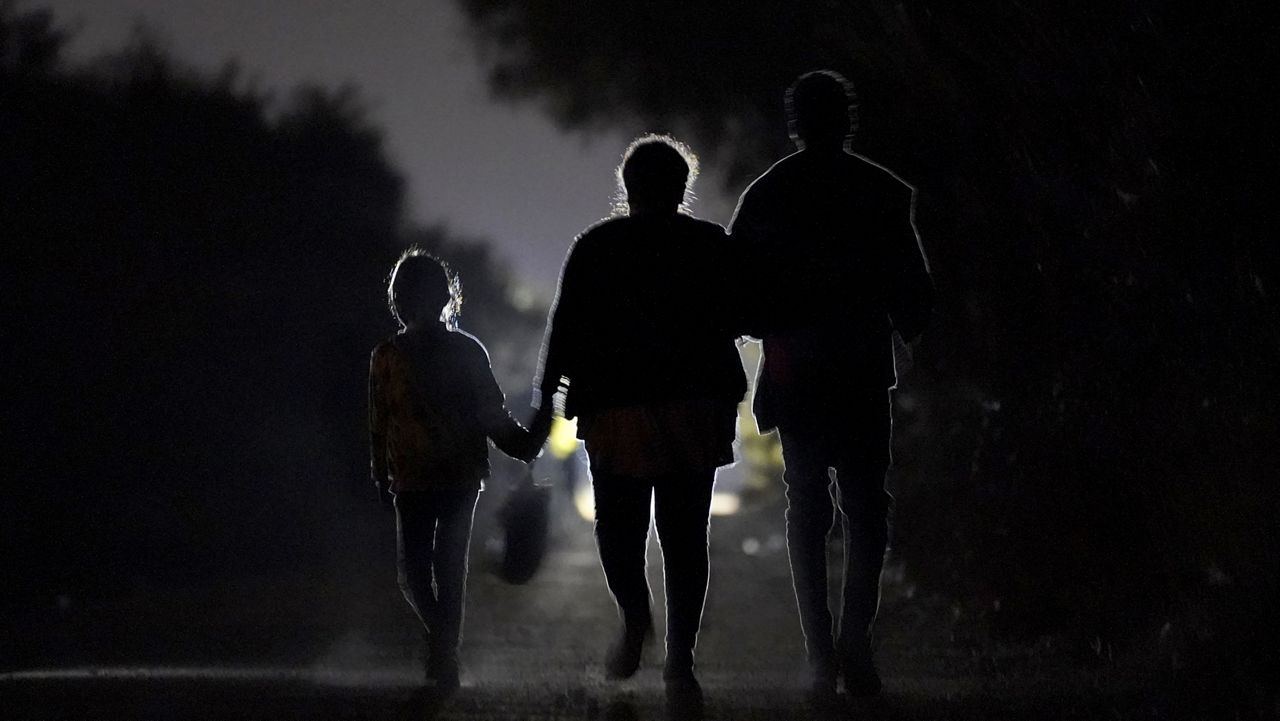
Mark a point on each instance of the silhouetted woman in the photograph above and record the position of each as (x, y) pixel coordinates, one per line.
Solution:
(641, 341)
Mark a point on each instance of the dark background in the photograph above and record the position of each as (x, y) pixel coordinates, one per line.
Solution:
(192, 282)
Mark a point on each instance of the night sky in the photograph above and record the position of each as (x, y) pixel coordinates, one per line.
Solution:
(488, 169)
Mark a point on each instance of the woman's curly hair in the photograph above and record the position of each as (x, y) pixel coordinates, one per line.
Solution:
(656, 166)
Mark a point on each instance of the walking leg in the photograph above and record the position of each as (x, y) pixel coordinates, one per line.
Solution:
(622, 534)
(415, 528)
(682, 511)
(415, 538)
(864, 508)
(453, 539)
(809, 520)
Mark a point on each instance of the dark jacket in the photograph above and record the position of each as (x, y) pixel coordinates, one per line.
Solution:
(837, 266)
(433, 401)
(644, 313)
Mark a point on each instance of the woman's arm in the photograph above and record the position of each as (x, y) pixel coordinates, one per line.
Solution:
(559, 345)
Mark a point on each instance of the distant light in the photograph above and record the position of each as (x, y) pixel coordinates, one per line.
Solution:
(523, 297)
(563, 441)
(585, 501)
(725, 504)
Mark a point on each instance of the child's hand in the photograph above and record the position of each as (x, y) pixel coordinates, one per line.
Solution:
(534, 454)
(533, 450)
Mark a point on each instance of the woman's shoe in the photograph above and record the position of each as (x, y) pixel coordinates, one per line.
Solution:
(442, 671)
(623, 659)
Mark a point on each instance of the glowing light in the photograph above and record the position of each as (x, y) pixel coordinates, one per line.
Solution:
(725, 504)
(523, 297)
(585, 501)
(563, 440)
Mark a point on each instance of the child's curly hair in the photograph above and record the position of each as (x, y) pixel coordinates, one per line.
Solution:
(422, 288)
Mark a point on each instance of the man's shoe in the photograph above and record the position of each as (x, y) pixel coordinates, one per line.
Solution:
(623, 659)
(444, 674)
(684, 696)
(823, 699)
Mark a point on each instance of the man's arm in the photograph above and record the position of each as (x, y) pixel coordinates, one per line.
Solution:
(912, 292)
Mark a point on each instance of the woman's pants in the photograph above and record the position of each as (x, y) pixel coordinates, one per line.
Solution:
(682, 504)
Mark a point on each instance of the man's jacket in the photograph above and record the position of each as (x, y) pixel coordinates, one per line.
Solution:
(836, 267)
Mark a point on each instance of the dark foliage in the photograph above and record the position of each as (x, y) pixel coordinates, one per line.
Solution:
(193, 283)
(1089, 439)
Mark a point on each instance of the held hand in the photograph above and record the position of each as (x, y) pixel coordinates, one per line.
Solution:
(538, 430)
(533, 451)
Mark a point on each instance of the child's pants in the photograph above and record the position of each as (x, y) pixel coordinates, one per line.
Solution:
(433, 532)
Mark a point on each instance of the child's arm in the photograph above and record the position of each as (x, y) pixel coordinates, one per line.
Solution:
(378, 471)
(508, 435)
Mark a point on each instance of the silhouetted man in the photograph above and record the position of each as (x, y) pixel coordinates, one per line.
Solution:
(837, 269)
(641, 343)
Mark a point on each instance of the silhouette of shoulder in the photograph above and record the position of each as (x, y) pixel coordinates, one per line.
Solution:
(771, 178)
(455, 343)
(895, 189)
(469, 350)
(468, 342)
(700, 226)
(624, 226)
(618, 240)
(604, 226)
(800, 168)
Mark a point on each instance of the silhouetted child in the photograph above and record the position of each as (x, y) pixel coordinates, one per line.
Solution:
(433, 401)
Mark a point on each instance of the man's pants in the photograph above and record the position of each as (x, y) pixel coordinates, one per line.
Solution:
(433, 532)
(682, 504)
(858, 448)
